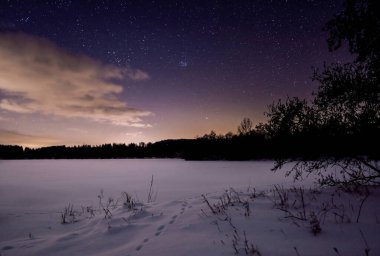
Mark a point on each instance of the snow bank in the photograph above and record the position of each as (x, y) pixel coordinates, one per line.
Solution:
(241, 221)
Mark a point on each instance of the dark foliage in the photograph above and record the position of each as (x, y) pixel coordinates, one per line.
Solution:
(359, 25)
(245, 127)
(344, 118)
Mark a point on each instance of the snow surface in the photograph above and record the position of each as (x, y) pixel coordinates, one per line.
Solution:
(249, 218)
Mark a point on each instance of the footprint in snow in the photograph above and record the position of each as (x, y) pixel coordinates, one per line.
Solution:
(7, 247)
(159, 230)
(138, 248)
(184, 205)
(173, 219)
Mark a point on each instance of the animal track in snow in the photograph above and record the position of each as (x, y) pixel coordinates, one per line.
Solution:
(162, 227)
(173, 219)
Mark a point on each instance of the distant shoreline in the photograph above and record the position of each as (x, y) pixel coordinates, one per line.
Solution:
(228, 148)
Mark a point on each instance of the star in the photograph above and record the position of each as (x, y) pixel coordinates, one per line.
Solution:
(232, 56)
(183, 64)
(26, 19)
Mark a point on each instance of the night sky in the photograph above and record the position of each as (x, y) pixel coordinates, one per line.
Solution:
(93, 72)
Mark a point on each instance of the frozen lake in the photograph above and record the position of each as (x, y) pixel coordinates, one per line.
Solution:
(33, 194)
(35, 189)
(49, 184)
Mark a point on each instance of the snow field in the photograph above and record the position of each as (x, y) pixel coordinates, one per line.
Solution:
(242, 222)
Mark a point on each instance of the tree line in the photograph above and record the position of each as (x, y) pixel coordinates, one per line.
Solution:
(272, 140)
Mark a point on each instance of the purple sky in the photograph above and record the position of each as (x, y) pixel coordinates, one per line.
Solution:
(75, 72)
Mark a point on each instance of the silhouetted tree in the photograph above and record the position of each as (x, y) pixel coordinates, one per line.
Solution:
(229, 136)
(348, 99)
(354, 88)
(211, 136)
(245, 127)
(346, 105)
(358, 24)
(292, 117)
(11, 152)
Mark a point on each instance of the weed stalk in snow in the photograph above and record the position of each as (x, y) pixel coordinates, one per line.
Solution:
(151, 197)
(68, 214)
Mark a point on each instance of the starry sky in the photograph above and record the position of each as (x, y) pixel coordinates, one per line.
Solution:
(94, 72)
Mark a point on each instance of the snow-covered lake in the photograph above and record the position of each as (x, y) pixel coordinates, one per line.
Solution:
(34, 193)
(36, 190)
(50, 184)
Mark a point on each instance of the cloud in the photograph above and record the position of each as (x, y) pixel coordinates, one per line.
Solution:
(37, 76)
(15, 138)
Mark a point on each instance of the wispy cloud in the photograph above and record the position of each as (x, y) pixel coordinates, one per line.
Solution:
(37, 76)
